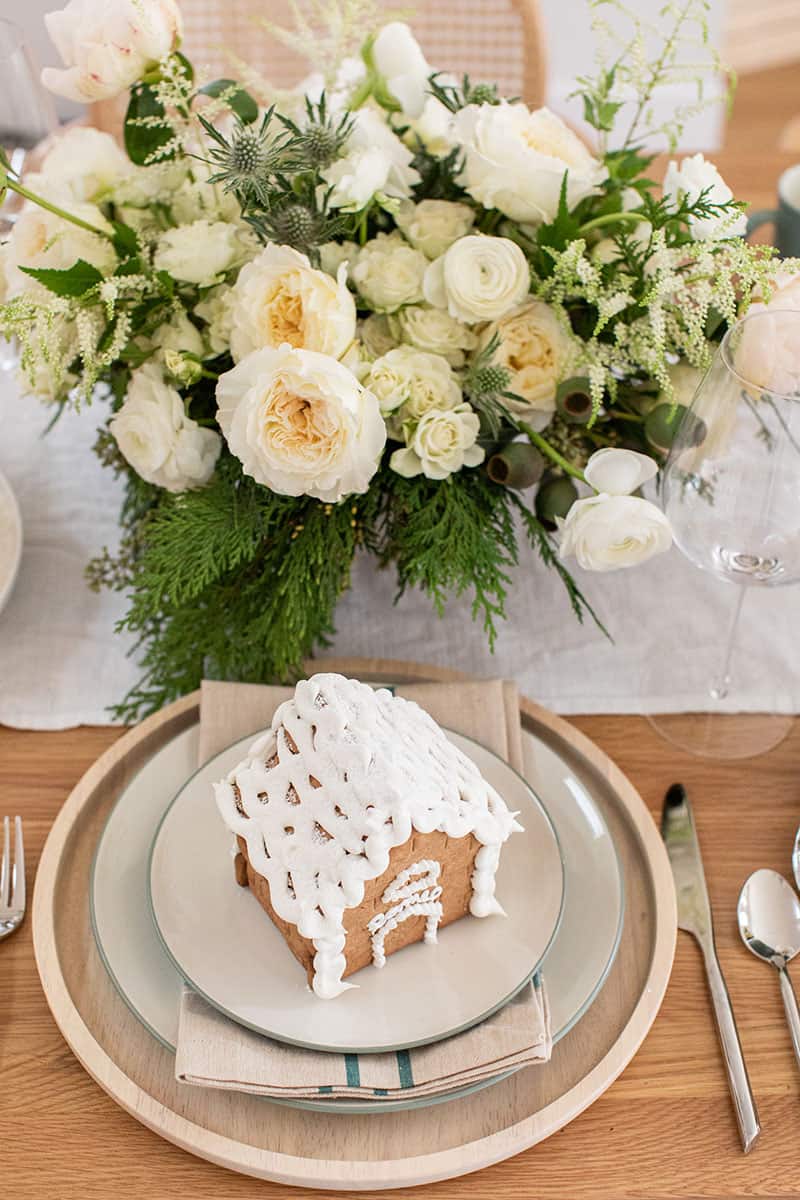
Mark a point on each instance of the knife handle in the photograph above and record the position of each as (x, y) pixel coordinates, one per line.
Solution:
(743, 1102)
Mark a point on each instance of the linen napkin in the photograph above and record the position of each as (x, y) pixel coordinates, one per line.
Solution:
(215, 1052)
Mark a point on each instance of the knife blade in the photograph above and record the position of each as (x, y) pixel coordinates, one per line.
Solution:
(694, 916)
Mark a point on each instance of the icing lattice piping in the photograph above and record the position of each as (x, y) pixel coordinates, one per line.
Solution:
(344, 774)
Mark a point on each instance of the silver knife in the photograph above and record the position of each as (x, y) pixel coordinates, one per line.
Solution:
(694, 916)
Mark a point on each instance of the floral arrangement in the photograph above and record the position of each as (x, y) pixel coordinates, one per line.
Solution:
(388, 311)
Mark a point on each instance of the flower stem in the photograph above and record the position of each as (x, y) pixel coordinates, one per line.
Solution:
(540, 443)
(608, 219)
(54, 208)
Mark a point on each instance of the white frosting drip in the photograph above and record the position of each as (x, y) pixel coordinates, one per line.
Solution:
(369, 769)
(418, 892)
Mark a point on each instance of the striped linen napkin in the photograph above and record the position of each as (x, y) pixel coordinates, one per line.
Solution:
(215, 1052)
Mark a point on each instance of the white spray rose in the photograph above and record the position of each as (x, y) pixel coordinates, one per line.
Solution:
(200, 253)
(412, 382)
(434, 330)
(301, 424)
(84, 165)
(515, 160)
(333, 254)
(216, 309)
(108, 46)
(156, 437)
(433, 225)
(398, 58)
(433, 127)
(687, 181)
(478, 278)
(441, 444)
(376, 163)
(41, 239)
(538, 351)
(389, 273)
(605, 533)
(618, 472)
(279, 297)
(178, 334)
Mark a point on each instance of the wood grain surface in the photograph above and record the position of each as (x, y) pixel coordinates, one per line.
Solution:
(665, 1129)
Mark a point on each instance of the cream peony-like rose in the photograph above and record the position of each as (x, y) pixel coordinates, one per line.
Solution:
(84, 165)
(433, 225)
(376, 163)
(440, 444)
(300, 423)
(412, 382)
(280, 298)
(389, 273)
(538, 351)
(694, 176)
(618, 472)
(106, 47)
(606, 533)
(200, 253)
(434, 330)
(515, 160)
(398, 58)
(41, 239)
(156, 437)
(478, 279)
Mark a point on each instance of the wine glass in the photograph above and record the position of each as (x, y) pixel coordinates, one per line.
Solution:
(731, 491)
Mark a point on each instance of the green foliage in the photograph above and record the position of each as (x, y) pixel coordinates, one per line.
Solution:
(457, 96)
(74, 281)
(147, 131)
(237, 99)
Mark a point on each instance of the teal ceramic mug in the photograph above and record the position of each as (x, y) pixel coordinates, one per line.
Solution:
(786, 217)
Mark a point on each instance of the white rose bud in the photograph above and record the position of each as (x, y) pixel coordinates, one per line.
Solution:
(434, 330)
(537, 351)
(399, 59)
(515, 160)
(433, 225)
(441, 444)
(606, 533)
(618, 472)
(280, 298)
(156, 437)
(478, 278)
(414, 380)
(687, 181)
(106, 47)
(301, 424)
(389, 273)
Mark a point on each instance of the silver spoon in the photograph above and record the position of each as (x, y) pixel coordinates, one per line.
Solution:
(796, 860)
(769, 922)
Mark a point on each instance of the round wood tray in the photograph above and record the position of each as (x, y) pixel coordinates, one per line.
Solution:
(247, 1134)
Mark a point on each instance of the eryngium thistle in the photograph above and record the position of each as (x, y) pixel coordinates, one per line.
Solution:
(295, 225)
(488, 381)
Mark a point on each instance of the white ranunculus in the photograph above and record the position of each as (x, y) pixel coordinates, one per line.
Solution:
(441, 444)
(433, 225)
(434, 330)
(84, 165)
(216, 309)
(41, 239)
(200, 253)
(105, 47)
(687, 181)
(301, 424)
(156, 437)
(605, 533)
(333, 254)
(375, 163)
(398, 58)
(280, 298)
(515, 160)
(538, 352)
(389, 273)
(478, 279)
(618, 472)
(409, 383)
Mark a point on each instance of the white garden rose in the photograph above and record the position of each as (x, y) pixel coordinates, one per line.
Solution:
(300, 423)
(200, 253)
(434, 330)
(84, 165)
(687, 181)
(375, 163)
(398, 58)
(515, 160)
(441, 444)
(280, 298)
(605, 533)
(108, 46)
(42, 239)
(412, 382)
(538, 352)
(156, 437)
(216, 309)
(389, 273)
(333, 254)
(618, 472)
(478, 279)
(433, 225)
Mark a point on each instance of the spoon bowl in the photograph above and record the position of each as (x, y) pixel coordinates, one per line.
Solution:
(796, 859)
(769, 917)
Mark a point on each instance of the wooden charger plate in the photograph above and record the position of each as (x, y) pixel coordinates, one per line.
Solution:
(246, 1133)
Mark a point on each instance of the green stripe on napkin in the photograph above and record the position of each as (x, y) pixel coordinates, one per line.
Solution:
(404, 1069)
(351, 1070)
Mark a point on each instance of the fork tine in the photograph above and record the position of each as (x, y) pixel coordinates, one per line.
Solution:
(18, 870)
(5, 864)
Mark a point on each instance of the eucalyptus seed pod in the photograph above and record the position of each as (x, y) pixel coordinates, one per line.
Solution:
(555, 497)
(574, 400)
(517, 465)
(663, 422)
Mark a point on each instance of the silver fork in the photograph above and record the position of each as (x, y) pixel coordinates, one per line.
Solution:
(12, 879)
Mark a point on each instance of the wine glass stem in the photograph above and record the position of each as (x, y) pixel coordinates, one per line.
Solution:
(721, 685)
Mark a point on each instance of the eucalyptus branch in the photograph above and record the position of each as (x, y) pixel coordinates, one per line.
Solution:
(55, 209)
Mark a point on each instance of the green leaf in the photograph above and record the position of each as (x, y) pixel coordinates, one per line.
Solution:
(144, 142)
(126, 240)
(75, 281)
(240, 101)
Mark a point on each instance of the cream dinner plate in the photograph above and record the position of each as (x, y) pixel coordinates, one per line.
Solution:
(575, 967)
(224, 945)
(10, 539)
